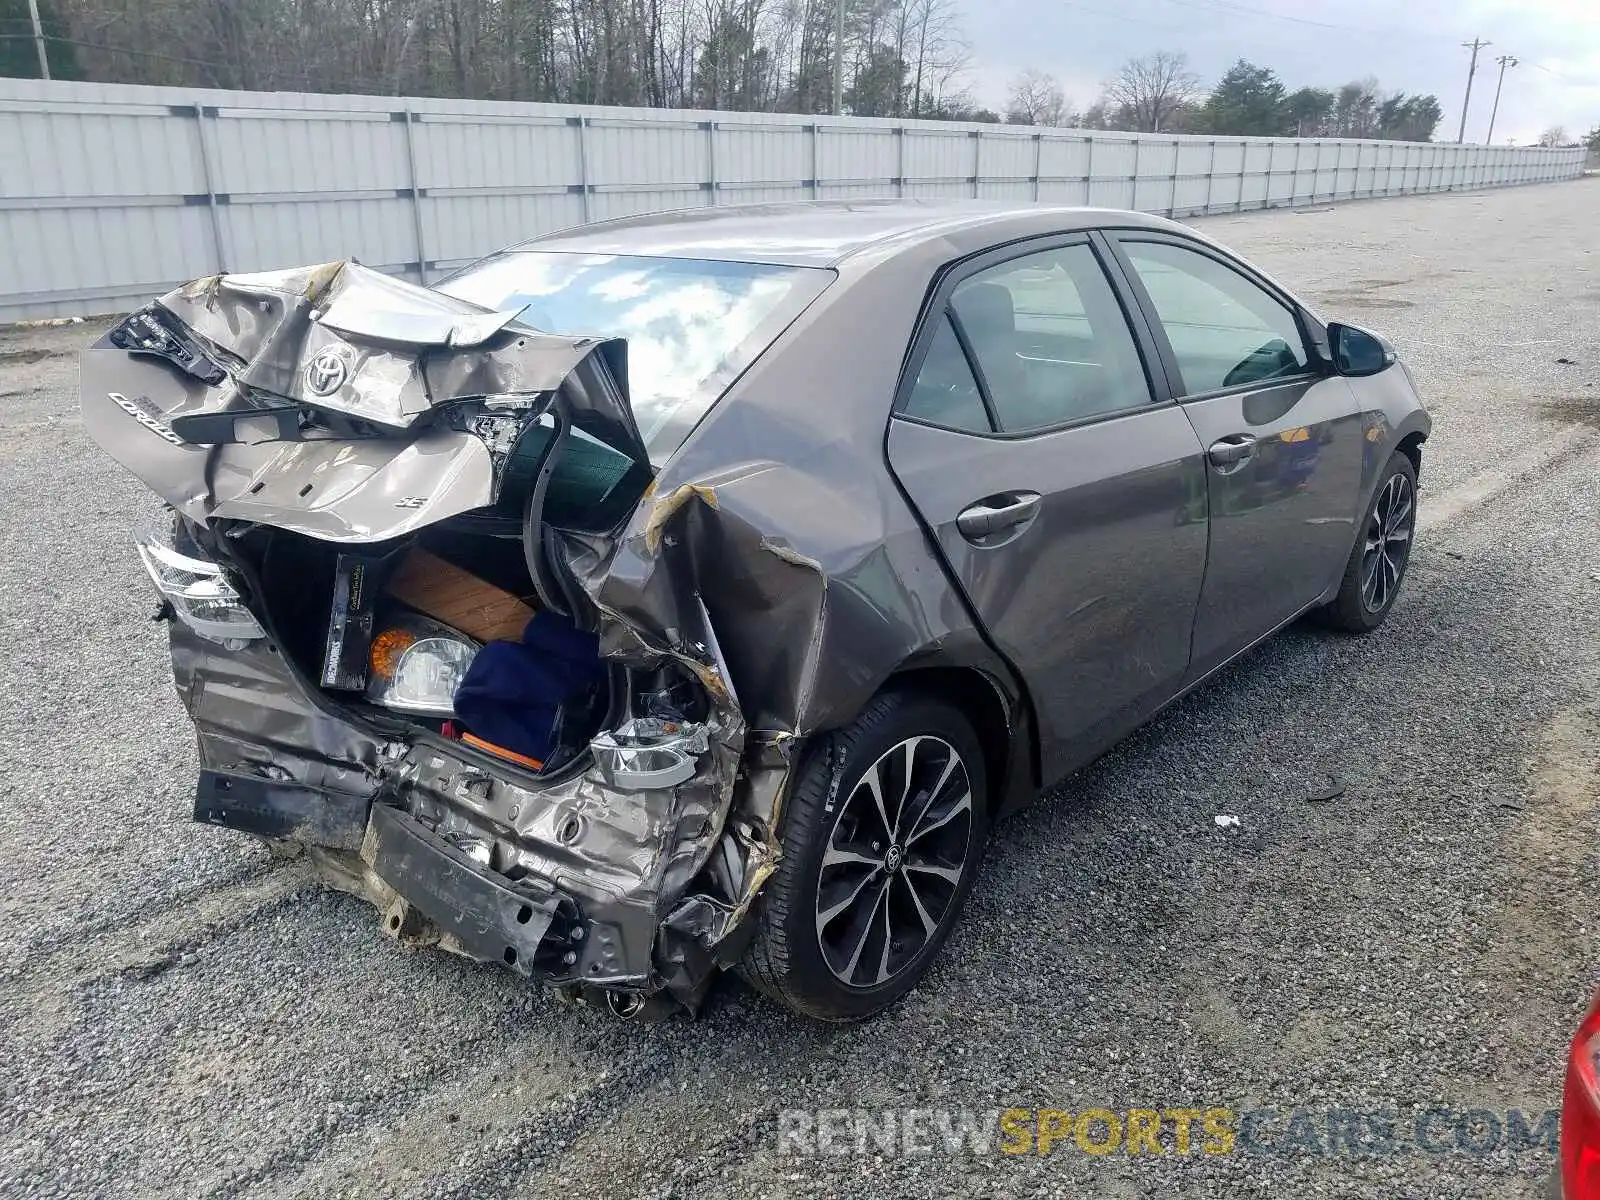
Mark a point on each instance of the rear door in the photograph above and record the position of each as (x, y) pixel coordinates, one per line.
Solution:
(1066, 495)
(1284, 438)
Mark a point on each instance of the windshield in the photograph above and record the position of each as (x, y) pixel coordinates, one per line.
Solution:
(692, 324)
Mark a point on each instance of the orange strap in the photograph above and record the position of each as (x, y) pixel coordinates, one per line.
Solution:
(524, 759)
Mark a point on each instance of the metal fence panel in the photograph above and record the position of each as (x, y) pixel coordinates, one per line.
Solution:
(110, 193)
(460, 152)
(766, 154)
(1016, 190)
(856, 155)
(744, 194)
(939, 189)
(943, 156)
(95, 151)
(454, 227)
(1007, 157)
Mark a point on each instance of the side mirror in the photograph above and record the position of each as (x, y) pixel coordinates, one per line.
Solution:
(1358, 352)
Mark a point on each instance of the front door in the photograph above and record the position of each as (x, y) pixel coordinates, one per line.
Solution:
(1283, 439)
(1068, 504)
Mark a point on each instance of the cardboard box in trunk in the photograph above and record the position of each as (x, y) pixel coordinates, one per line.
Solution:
(459, 599)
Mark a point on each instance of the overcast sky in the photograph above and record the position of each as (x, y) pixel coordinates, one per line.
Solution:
(1410, 45)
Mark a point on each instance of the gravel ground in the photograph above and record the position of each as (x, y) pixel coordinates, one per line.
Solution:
(182, 1015)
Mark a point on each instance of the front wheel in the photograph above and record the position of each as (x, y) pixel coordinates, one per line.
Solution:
(1382, 550)
(884, 826)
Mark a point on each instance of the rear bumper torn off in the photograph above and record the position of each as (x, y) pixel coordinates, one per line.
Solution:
(530, 926)
(427, 889)
(570, 882)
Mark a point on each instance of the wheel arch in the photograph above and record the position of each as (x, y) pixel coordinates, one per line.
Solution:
(1414, 432)
(1001, 717)
(1411, 447)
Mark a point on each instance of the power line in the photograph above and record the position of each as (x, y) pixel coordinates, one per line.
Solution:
(1549, 71)
(1228, 6)
(101, 46)
(1100, 12)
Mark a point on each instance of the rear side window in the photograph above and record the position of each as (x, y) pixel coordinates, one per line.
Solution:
(692, 325)
(946, 392)
(1224, 330)
(1051, 342)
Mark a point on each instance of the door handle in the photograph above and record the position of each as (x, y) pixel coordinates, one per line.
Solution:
(1232, 450)
(995, 513)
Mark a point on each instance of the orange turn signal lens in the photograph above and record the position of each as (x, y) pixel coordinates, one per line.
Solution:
(387, 648)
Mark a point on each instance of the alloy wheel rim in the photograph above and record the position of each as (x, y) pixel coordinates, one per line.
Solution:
(1387, 542)
(894, 861)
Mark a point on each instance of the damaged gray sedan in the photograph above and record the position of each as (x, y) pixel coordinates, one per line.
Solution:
(694, 591)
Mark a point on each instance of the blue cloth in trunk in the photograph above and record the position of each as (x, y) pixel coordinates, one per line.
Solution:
(513, 690)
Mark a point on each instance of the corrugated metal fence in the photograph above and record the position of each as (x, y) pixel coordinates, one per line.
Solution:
(112, 193)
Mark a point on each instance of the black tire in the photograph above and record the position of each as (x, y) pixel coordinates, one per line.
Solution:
(786, 959)
(1356, 608)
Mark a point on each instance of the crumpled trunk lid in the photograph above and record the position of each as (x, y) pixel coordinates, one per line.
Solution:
(328, 400)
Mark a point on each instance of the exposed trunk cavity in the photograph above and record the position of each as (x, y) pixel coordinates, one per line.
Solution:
(346, 453)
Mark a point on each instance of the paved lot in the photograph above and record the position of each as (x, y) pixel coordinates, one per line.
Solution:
(182, 1015)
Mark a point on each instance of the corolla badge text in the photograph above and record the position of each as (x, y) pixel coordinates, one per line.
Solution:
(136, 410)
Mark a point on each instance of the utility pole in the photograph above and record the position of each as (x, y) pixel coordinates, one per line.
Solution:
(38, 39)
(838, 58)
(1474, 45)
(1505, 60)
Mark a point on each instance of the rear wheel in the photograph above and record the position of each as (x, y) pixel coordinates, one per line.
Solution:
(884, 827)
(1382, 550)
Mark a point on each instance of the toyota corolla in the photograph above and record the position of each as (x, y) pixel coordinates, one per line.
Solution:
(695, 591)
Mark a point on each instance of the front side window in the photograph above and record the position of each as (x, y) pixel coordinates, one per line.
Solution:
(1224, 330)
(692, 325)
(1049, 339)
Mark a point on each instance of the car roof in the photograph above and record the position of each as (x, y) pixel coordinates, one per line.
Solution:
(817, 233)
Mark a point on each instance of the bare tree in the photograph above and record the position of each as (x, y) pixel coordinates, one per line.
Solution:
(1150, 90)
(1035, 98)
(901, 57)
(936, 53)
(1556, 135)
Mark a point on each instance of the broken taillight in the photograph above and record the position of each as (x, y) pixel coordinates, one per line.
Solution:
(1580, 1114)
(646, 753)
(199, 592)
(156, 332)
